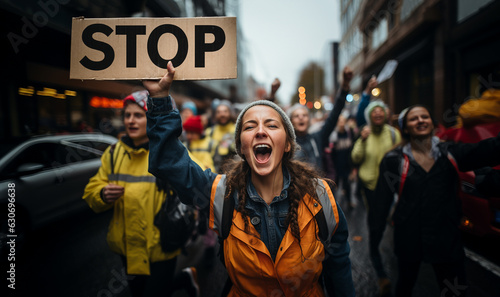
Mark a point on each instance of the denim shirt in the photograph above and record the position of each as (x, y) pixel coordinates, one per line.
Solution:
(269, 219)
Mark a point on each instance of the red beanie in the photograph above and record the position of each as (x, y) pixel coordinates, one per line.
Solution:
(193, 124)
(139, 97)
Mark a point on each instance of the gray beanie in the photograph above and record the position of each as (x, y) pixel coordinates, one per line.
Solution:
(284, 117)
(295, 107)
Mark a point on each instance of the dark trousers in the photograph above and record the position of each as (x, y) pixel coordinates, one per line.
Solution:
(450, 277)
(373, 238)
(160, 282)
(346, 185)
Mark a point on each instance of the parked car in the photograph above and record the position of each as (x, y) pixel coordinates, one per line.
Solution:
(480, 213)
(46, 176)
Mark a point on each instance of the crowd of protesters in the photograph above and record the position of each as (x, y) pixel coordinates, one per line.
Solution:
(370, 161)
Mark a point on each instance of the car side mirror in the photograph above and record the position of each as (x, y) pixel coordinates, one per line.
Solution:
(29, 168)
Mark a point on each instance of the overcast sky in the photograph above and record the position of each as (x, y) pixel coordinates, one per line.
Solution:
(283, 36)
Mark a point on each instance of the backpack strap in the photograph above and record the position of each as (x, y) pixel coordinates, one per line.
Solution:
(111, 153)
(404, 167)
(328, 217)
(444, 150)
(227, 215)
(226, 222)
(322, 225)
(452, 161)
(393, 135)
(315, 147)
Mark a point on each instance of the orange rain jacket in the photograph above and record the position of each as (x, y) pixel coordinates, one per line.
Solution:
(249, 263)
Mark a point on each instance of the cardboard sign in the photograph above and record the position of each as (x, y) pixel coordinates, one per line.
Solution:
(140, 48)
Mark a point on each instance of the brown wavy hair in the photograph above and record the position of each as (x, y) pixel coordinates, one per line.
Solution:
(303, 180)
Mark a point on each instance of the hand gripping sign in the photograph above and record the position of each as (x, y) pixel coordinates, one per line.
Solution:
(140, 48)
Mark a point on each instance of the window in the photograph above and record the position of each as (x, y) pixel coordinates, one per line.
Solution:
(409, 6)
(466, 8)
(77, 151)
(40, 153)
(379, 34)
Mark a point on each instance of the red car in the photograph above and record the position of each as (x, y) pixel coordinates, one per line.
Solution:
(481, 214)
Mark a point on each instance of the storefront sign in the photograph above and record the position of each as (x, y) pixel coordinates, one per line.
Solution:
(140, 48)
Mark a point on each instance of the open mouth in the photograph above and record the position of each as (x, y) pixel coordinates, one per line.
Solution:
(262, 152)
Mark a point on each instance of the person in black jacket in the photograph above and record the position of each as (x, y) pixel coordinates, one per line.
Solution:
(423, 172)
(342, 140)
(312, 145)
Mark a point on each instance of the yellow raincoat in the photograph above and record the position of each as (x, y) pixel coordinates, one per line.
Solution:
(202, 149)
(131, 230)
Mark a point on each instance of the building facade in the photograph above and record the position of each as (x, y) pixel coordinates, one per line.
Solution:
(446, 50)
(37, 95)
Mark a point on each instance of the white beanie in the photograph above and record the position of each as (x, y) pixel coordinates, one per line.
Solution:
(371, 106)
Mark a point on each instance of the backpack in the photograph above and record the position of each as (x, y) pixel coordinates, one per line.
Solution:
(227, 221)
(175, 221)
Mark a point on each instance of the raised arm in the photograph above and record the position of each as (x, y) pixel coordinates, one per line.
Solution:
(332, 119)
(168, 157)
(274, 88)
(365, 100)
(471, 156)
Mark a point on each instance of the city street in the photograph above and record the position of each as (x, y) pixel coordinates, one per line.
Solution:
(72, 259)
(402, 96)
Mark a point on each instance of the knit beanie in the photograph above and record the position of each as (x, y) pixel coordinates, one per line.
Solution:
(139, 97)
(371, 107)
(401, 117)
(286, 120)
(295, 107)
(226, 103)
(193, 124)
(190, 105)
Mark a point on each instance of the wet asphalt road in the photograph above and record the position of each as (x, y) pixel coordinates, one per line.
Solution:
(72, 259)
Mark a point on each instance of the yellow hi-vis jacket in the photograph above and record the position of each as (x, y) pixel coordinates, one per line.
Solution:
(223, 137)
(132, 232)
(202, 149)
(294, 272)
